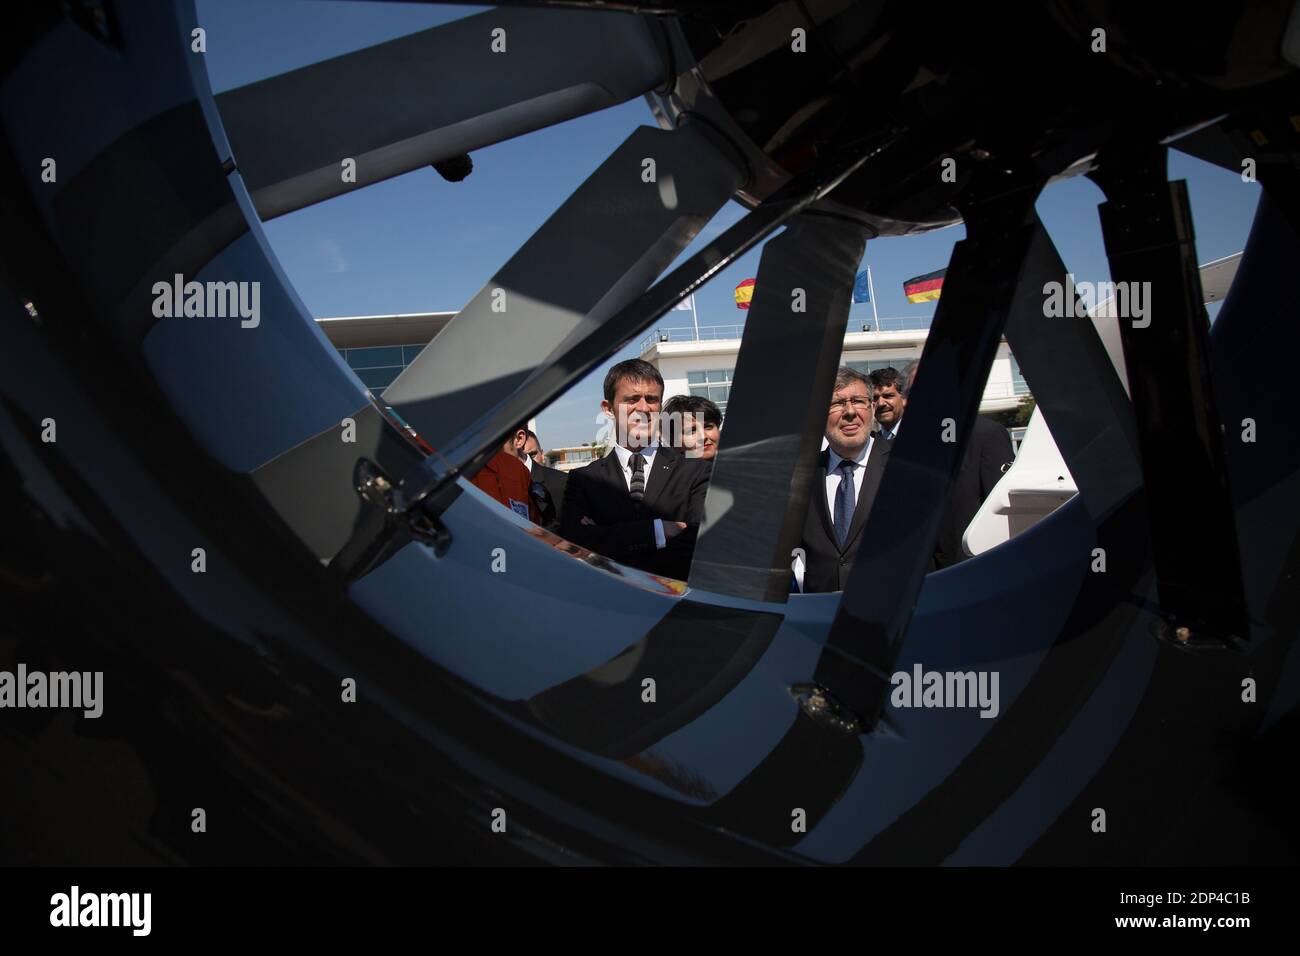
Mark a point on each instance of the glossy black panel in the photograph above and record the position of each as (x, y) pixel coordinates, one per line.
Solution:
(791, 791)
(140, 189)
(1088, 643)
(154, 204)
(312, 485)
(694, 657)
(952, 82)
(1147, 226)
(1078, 390)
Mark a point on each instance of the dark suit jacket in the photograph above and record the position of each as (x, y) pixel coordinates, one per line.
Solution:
(624, 529)
(981, 468)
(550, 505)
(826, 564)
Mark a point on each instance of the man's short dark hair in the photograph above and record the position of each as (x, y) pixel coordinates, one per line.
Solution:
(533, 435)
(887, 376)
(638, 370)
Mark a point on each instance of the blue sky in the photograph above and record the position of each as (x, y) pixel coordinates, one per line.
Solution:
(417, 243)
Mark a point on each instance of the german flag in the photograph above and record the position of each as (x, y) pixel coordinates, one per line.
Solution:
(744, 293)
(924, 288)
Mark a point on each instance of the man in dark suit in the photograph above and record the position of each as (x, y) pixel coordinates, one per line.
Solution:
(547, 488)
(889, 398)
(848, 478)
(642, 503)
(987, 452)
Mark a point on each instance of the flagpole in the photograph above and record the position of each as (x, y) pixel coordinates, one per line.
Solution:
(695, 319)
(875, 320)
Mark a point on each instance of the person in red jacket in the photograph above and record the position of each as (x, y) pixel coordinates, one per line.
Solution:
(505, 478)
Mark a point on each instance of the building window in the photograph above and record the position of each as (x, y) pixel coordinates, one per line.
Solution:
(577, 456)
(380, 357)
(713, 384)
(867, 367)
(377, 366)
(377, 379)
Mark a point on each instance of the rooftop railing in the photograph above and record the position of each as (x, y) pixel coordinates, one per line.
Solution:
(716, 333)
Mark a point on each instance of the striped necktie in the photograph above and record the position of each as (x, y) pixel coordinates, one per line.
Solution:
(638, 477)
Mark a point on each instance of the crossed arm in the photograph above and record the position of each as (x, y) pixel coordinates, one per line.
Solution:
(623, 539)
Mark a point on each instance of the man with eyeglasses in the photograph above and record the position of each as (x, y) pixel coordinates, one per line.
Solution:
(851, 466)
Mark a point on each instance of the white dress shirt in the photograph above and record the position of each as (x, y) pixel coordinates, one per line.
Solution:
(833, 474)
(892, 433)
(625, 459)
(528, 463)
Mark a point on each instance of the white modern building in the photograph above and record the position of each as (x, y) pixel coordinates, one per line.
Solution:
(702, 363)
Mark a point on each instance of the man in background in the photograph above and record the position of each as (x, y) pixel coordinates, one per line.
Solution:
(505, 478)
(533, 448)
(546, 484)
(889, 398)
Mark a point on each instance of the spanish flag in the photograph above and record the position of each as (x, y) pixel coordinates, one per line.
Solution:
(744, 292)
(924, 288)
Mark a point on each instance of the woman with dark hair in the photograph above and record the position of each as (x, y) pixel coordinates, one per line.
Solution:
(691, 425)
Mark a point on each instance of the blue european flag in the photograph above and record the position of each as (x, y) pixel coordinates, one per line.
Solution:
(861, 289)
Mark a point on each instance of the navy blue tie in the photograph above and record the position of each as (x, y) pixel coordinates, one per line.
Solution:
(845, 499)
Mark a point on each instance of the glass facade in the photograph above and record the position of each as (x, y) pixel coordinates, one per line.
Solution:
(867, 367)
(713, 384)
(377, 366)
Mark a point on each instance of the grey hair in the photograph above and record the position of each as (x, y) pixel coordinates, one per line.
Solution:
(845, 376)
